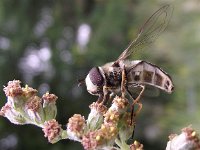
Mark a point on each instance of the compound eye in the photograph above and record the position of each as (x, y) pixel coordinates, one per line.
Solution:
(96, 77)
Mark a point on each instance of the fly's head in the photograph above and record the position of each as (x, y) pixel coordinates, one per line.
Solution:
(95, 81)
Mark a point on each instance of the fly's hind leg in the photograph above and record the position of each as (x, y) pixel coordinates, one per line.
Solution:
(124, 89)
(136, 101)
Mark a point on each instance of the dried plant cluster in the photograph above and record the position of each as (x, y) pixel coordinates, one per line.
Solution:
(107, 127)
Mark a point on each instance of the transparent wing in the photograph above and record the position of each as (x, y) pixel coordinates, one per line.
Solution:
(151, 29)
(149, 91)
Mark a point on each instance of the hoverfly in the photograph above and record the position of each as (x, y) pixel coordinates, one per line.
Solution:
(123, 74)
(108, 79)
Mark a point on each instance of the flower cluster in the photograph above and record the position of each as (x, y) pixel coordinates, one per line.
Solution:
(106, 127)
(25, 107)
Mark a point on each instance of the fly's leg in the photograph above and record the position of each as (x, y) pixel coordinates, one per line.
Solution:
(105, 96)
(123, 83)
(136, 100)
(132, 106)
(100, 98)
(124, 88)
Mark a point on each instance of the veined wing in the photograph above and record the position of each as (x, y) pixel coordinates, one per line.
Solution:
(151, 29)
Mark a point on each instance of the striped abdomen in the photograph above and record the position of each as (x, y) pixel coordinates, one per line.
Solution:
(146, 73)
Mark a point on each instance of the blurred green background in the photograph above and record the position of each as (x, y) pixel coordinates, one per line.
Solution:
(49, 44)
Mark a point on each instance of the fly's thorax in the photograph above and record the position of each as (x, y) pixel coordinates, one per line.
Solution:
(95, 81)
(128, 63)
(113, 76)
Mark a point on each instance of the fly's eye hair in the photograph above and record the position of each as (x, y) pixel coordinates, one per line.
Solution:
(96, 77)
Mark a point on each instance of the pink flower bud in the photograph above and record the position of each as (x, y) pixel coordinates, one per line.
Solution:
(90, 141)
(75, 127)
(34, 110)
(12, 115)
(14, 92)
(49, 105)
(49, 98)
(52, 130)
(119, 104)
(13, 88)
(95, 118)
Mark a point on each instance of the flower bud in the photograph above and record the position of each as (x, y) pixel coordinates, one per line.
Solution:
(12, 115)
(102, 138)
(90, 141)
(187, 140)
(49, 98)
(125, 127)
(52, 130)
(34, 110)
(95, 118)
(111, 117)
(136, 146)
(49, 105)
(75, 127)
(119, 104)
(14, 92)
(28, 92)
(13, 88)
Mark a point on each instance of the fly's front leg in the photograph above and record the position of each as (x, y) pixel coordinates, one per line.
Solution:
(124, 83)
(105, 95)
(100, 98)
